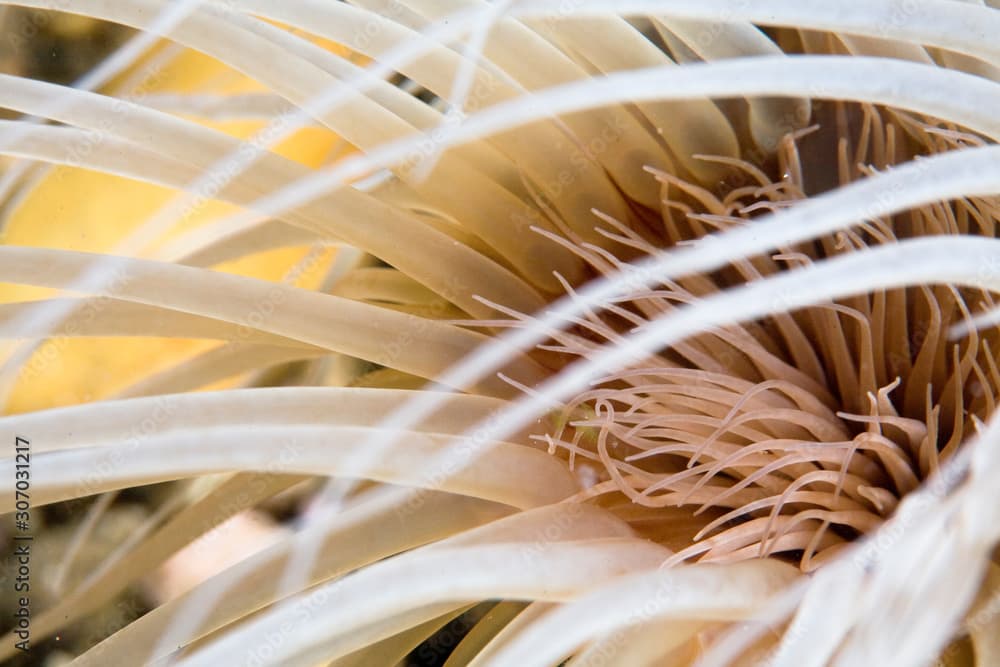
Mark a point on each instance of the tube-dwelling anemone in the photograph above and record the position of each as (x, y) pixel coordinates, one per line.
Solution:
(657, 333)
(796, 433)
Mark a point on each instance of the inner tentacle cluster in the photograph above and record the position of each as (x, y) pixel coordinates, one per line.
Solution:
(794, 434)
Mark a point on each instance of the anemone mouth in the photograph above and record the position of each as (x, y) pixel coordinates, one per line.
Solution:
(794, 434)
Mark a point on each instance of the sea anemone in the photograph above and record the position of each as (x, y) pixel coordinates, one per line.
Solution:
(515, 333)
